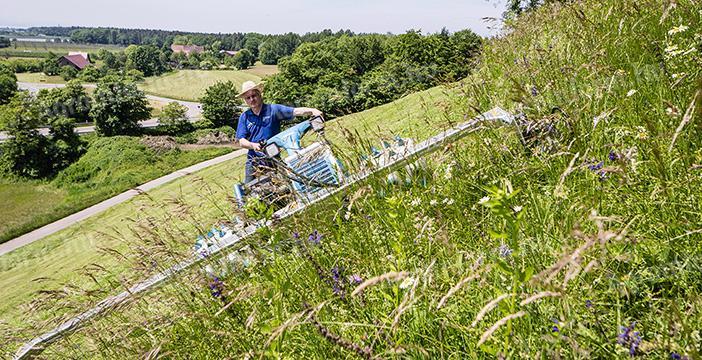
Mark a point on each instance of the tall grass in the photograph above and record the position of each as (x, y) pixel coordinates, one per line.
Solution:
(575, 235)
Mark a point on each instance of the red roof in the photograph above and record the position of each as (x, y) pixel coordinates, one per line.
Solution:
(78, 60)
(187, 49)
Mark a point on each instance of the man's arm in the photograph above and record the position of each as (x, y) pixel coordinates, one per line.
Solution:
(303, 111)
(249, 145)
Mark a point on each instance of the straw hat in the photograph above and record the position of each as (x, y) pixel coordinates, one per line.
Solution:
(248, 86)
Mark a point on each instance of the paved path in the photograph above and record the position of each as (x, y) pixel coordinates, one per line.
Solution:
(100, 207)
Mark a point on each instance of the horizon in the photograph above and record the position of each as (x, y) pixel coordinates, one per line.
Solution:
(391, 16)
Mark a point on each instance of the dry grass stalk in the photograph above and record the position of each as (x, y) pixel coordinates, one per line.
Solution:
(363, 351)
(538, 296)
(486, 335)
(389, 276)
(686, 119)
(406, 303)
(460, 284)
(558, 191)
(487, 308)
(293, 321)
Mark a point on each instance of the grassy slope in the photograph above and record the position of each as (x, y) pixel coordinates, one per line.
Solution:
(190, 85)
(598, 60)
(61, 255)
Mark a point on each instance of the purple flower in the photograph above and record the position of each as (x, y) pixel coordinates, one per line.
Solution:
(504, 251)
(355, 279)
(216, 287)
(588, 303)
(613, 156)
(336, 280)
(555, 328)
(675, 356)
(534, 91)
(315, 238)
(629, 338)
(296, 235)
(597, 166)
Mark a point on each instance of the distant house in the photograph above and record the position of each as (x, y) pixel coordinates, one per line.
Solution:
(85, 55)
(228, 52)
(78, 61)
(187, 49)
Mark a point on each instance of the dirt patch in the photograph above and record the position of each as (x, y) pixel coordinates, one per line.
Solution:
(214, 138)
(160, 144)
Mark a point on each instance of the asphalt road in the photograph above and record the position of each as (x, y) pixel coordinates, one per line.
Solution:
(193, 113)
(61, 224)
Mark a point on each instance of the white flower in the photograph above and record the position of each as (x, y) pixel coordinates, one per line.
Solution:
(433, 202)
(672, 51)
(631, 93)
(484, 200)
(518, 208)
(416, 202)
(448, 201)
(406, 283)
(677, 29)
(678, 75)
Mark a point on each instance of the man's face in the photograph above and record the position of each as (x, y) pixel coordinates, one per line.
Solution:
(253, 99)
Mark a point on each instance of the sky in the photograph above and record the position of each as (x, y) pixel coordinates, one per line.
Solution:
(267, 17)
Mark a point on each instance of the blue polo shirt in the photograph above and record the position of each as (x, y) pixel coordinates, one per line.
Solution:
(264, 126)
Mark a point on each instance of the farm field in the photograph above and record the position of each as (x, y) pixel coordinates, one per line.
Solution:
(81, 244)
(39, 78)
(190, 85)
(261, 70)
(34, 49)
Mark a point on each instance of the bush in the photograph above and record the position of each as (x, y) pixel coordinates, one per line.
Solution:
(118, 108)
(174, 118)
(220, 105)
(90, 74)
(8, 84)
(68, 72)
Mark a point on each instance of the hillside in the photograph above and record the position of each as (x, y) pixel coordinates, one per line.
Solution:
(577, 236)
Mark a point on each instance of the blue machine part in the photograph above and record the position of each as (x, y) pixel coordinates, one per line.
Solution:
(290, 138)
(316, 163)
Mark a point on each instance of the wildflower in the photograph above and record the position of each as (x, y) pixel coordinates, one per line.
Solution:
(675, 356)
(448, 173)
(534, 91)
(629, 338)
(416, 202)
(448, 201)
(216, 288)
(433, 202)
(677, 29)
(518, 208)
(355, 279)
(555, 328)
(613, 156)
(588, 303)
(672, 51)
(642, 134)
(596, 166)
(631, 93)
(336, 280)
(504, 250)
(315, 238)
(484, 200)
(677, 76)
(407, 282)
(295, 235)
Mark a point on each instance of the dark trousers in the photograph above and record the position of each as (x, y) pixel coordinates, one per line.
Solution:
(255, 166)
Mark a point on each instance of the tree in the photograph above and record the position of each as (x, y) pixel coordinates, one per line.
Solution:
(26, 153)
(174, 118)
(243, 59)
(8, 84)
(145, 59)
(70, 102)
(118, 108)
(4, 42)
(68, 72)
(110, 60)
(50, 65)
(220, 105)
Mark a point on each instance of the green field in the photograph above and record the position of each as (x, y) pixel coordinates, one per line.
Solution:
(190, 85)
(33, 49)
(39, 78)
(261, 70)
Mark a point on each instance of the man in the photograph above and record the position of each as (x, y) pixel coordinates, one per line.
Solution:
(261, 122)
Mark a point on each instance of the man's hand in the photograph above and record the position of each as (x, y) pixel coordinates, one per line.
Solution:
(303, 111)
(249, 145)
(256, 146)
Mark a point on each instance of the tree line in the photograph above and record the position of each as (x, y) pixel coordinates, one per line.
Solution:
(348, 74)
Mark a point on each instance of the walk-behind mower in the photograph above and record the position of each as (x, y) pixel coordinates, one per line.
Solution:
(291, 174)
